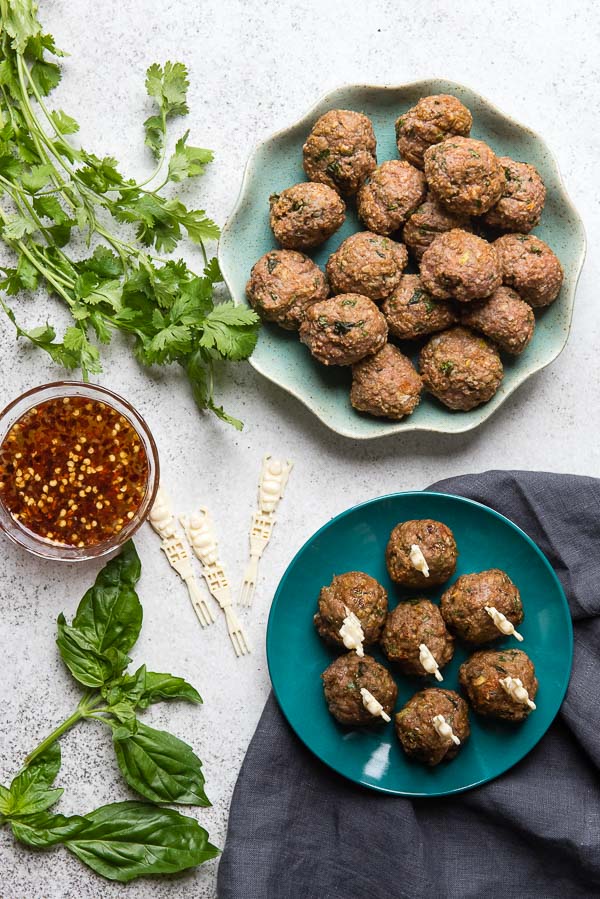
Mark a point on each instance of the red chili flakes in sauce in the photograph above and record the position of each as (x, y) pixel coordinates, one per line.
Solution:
(73, 471)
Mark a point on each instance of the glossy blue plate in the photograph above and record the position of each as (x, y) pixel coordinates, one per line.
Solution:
(356, 540)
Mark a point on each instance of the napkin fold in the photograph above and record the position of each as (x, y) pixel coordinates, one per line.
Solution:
(299, 831)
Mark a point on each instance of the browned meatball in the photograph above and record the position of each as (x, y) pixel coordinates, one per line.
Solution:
(437, 544)
(340, 150)
(391, 194)
(432, 120)
(386, 384)
(355, 592)
(344, 329)
(368, 264)
(460, 265)
(463, 605)
(530, 267)
(503, 317)
(343, 681)
(410, 624)
(465, 175)
(283, 284)
(417, 734)
(460, 369)
(429, 220)
(306, 215)
(480, 678)
(412, 312)
(520, 206)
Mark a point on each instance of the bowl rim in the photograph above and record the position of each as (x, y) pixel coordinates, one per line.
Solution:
(407, 425)
(469, 502)
(56, 552)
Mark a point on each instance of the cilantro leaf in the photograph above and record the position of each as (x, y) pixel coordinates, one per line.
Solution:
(188, 162)
(168, 86)
(231, 330)
(63, 122)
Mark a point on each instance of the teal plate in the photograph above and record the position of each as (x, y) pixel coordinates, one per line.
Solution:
(277, 163)
(356, 540)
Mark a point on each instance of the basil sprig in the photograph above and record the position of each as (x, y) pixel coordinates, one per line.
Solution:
(123, 840)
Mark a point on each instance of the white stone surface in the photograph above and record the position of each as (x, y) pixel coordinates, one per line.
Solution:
(256, 67)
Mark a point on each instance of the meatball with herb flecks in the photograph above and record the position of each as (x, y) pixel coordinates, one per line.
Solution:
(427, 221)
(463, 605)
(432, 120)
(461, 265)
(392, 192)
(283, 284)
(503, 317)
(410, 625)
(340, 150)
(481, 675)
(461, 369)
(416, 727)
(386, 384)
(344, 329)
(306, 215)
(368, 264)
(435, 543)
(522, 201)
(342, 685)
(465, 175)
(530, 267)
(412, 312)
(355, 592)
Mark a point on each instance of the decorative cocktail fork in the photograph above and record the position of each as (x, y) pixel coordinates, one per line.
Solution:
(273, 478)
(174, 547)
(199, 530)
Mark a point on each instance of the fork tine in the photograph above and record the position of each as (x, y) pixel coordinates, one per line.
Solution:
(236, 646)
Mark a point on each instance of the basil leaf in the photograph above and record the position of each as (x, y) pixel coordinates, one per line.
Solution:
(125, 840)
(107, 623)
(146, 687)
(159, 766)
(29, 792)
(43, 830)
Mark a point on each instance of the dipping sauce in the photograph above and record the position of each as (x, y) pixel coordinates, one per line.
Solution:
(73, 471)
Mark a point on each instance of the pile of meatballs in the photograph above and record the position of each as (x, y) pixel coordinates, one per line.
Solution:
(463, 215)
(434, 724)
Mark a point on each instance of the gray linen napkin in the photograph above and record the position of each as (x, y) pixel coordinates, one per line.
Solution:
(299, 831)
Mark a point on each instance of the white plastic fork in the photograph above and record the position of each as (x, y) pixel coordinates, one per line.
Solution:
(249, 582)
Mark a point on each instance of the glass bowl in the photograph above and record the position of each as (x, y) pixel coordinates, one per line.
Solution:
(46, 549)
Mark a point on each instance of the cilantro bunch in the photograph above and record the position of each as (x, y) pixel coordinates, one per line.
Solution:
(121, 840)
(51, 190)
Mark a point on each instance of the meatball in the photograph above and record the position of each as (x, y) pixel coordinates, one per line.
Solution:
(343, 681)
(429, 220)
(344, 329)
(368, 264)
(410, 624)
(463, 605)
(460, 265)
(520, 206)
(391, 194)
(503, 317)
(355, 592)
(437, 544)
(386, 384)
(306, 215)
(480, 678)
(465, 175)
(416, 731)
(432, 120)
(530, 267)
(411, 311)
(340, 150)
(460, 369)
(283, 284)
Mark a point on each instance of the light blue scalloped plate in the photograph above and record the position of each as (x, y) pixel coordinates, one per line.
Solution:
(277, 163)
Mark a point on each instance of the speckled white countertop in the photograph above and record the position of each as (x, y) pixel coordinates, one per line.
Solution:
(254, 68)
